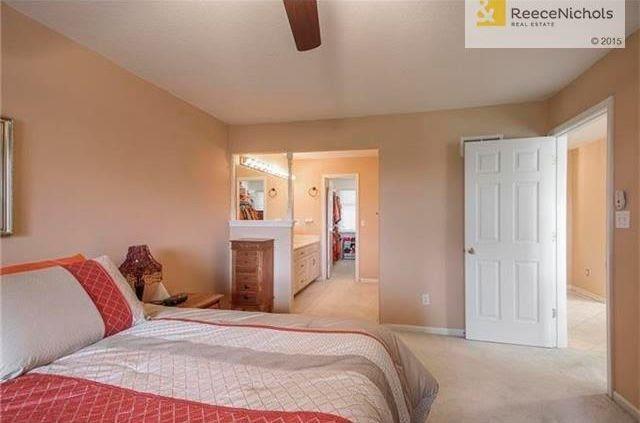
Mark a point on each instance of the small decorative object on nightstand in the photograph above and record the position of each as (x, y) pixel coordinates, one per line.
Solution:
(140, 268)
(252, 279)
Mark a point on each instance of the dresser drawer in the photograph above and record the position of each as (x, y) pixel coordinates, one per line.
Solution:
(247, 286)
(298, 253)
(247, 255)
(242, 277)
(246, 297)
(300, 265)
(246, 263)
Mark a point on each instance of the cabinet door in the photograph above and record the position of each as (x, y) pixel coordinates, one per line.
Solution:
(301, 273)
(314, 266)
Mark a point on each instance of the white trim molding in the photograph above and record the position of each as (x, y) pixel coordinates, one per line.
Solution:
(261, 223)
(588, 294)
(458, 333)
(626, 405)
(369, 280)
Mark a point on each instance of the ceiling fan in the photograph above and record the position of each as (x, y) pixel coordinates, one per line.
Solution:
(303, 19)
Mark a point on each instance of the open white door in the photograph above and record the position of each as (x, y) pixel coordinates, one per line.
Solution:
(510, 251)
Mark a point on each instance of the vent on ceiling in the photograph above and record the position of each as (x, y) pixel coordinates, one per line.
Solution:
(480, 138)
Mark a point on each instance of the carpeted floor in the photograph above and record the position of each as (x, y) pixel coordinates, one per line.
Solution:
(487, 382)
(339, 296)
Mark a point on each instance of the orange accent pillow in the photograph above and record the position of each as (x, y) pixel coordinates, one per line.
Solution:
(36, 265)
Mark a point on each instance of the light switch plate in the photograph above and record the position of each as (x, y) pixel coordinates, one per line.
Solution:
(623, 219)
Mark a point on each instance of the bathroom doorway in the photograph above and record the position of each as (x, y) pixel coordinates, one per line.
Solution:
(335, 210)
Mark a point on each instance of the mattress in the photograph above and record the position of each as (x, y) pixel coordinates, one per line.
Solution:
(216, 365)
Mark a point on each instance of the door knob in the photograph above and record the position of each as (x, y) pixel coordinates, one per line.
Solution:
(471, 251)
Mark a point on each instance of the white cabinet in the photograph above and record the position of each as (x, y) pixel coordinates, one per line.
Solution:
(306, 266)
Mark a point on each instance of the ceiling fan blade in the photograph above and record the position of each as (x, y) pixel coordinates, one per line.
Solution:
(303, 18)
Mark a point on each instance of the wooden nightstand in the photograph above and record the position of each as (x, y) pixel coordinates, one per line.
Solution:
(200, 300)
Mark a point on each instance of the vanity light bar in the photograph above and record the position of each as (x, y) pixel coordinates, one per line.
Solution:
(265, 167)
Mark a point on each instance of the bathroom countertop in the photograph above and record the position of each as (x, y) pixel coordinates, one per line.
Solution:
(300, 241)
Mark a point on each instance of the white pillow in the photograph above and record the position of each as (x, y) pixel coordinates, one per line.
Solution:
(46, 314)
(129, 295)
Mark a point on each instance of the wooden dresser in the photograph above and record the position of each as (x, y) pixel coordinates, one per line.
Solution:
(252, 275)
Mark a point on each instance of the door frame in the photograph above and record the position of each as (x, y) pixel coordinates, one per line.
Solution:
(605, 107)
(324, 242)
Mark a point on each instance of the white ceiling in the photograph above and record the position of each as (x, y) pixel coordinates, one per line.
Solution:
(236, 59)
(594, 130)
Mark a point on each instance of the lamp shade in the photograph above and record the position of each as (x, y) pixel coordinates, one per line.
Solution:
(140, 268)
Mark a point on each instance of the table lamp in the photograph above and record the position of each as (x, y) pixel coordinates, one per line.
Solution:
(140, 268)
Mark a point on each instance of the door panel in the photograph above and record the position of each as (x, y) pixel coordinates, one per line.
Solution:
(488, 290)
(488, 212)
(510, 258)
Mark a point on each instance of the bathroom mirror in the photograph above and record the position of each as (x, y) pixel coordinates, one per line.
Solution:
(251, 197)
(261, 186)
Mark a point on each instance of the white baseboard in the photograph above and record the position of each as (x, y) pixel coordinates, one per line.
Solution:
(459, 333)
(626, 405)
(584, 293)
(369, 280)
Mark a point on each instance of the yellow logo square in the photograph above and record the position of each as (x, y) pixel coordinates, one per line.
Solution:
(491, 13)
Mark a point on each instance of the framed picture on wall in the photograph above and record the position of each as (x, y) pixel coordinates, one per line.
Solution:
(6, 177)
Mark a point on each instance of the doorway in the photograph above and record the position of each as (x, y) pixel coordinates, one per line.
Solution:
(513, 220)
(336, 208)
(585, 150)
(340, 229)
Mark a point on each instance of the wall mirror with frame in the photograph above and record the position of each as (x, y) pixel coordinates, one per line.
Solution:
(261, 186)
(251, 197)
(6, 176)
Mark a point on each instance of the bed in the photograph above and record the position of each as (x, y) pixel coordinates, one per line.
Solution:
(189, 365)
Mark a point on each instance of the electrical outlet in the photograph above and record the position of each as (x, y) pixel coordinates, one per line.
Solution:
(426, 299)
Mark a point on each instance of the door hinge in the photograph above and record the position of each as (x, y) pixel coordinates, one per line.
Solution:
(554, 313)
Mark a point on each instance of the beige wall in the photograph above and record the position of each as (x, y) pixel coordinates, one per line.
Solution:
(309, 173)
(617, 74)
(104, 160)
(421, 194)
(587, 216)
